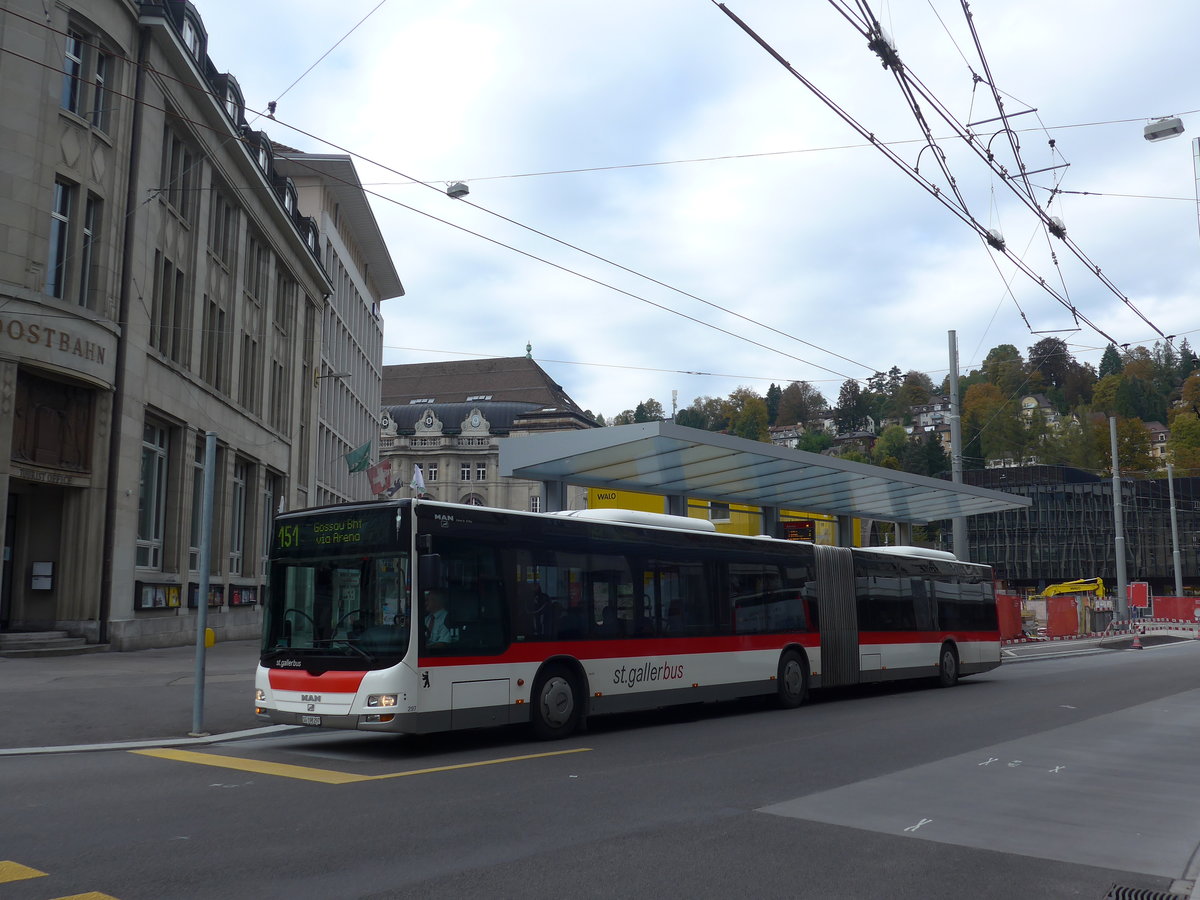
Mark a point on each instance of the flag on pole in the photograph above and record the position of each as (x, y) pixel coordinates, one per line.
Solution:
(358, 460)
(380, 475)
(418, 480)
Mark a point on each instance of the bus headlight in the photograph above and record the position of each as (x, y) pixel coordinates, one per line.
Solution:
(260, 696)
(381, 700)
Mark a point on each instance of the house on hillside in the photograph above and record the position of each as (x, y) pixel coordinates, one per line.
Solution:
(1040, 403)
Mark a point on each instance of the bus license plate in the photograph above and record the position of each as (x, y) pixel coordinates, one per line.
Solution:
(310, 720)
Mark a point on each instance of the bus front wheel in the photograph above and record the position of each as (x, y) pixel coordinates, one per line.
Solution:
(556, 704)
(793, 680)
(948, 667)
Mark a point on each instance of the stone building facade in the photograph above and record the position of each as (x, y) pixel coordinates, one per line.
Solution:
(157, 281)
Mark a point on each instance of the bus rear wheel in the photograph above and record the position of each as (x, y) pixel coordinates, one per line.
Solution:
(556, 704)
(792, 684)
(948, 667)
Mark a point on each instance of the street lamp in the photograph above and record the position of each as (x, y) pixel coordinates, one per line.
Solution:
(1163, 129)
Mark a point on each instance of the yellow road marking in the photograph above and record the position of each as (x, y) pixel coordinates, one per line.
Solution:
(326, 776)
(90, 895)
(11, 871)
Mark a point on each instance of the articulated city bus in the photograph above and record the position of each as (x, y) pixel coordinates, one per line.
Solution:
(418, 616)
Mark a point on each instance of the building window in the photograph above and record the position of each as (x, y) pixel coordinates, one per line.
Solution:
(152, 497)
(178, 175)
(535, 503)
(481, 471)
(170, 314)
(718, 512)
(191, 37)
(215, 345)
(464, 472)
(222, 228)
(237, 517)
(60, 238)
(431, 471)
(87, 251)
(72, 72)
(100, 93)
(250, 386)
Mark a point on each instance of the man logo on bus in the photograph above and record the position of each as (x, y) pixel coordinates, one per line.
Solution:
(425, 678)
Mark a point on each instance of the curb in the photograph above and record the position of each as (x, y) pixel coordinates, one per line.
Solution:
(142, 745)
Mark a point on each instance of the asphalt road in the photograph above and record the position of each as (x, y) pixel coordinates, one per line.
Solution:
(1053, 778)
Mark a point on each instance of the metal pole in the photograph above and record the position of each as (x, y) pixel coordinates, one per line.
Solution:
(206, 514)
(959, 523)
(1174, 533)
(1118, 525)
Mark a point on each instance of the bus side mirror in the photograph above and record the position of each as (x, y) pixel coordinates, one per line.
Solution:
(429, 571)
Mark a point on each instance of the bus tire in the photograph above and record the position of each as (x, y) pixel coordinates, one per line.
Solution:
(948, 666)
(557, 704)
(792, 683)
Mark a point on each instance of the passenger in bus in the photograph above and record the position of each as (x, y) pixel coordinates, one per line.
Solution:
(437, 632)
(608, 625)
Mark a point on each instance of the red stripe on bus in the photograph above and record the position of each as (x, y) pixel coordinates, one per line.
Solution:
(536, 651)
(871, 638)
(299, 680)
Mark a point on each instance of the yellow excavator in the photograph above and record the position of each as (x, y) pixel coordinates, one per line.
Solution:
(1082, 586)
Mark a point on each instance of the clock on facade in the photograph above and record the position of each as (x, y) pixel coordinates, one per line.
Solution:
(429, 421)
(475, 420)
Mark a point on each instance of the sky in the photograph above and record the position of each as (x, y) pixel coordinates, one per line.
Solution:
(757, 237)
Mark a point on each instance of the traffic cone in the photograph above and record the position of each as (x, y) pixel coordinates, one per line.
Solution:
(1137, 639)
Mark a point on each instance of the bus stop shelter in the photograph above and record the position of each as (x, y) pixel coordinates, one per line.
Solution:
(681, 463)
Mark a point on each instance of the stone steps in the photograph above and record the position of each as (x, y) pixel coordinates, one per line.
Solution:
(25, 644)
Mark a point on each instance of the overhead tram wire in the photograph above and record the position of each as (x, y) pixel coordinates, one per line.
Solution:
(495, 241)
(879, 44)
(1016, 149)
(912, 173)
(321, 58)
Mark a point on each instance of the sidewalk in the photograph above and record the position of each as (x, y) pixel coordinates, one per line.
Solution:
(139, 695)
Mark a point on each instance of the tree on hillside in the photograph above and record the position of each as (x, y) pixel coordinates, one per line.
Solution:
(800, 404)
(1104, 394)
(851, 413)
(1110, 362)
(1051, 358)
(1136, 398)
(1002, 431)
(1077, 388)
(1183, 446)
(814, 442)
(926, 456)
(774, 395)
(705, 412)
(1188, 362)
(890, 447)
(1133, 447)
(625, 417)
(649, 411)
(1005, 368)
(916, 390)
(750, 421)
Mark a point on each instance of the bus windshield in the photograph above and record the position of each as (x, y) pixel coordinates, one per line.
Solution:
(356, 606)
